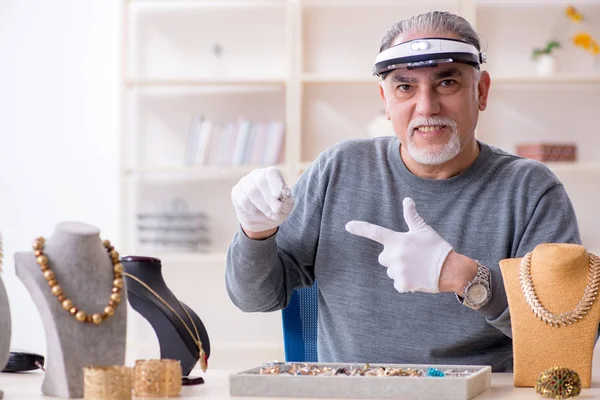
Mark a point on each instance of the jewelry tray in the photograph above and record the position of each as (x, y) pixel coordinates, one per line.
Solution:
(466, 386)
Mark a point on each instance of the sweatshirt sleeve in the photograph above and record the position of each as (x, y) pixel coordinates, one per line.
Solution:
(261, 275)
(553, 221)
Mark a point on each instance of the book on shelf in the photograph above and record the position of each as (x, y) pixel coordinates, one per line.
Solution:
(237, 142)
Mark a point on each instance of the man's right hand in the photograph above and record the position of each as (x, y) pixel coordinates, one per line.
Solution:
(256, 199)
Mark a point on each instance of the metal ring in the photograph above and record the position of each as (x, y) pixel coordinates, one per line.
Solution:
(286, 193)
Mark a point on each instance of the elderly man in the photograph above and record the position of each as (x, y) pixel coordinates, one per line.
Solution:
(404, 234)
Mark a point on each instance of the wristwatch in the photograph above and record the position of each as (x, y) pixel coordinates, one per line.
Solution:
(478, 292)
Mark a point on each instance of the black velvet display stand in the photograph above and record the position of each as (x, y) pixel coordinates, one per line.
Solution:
(174, 339)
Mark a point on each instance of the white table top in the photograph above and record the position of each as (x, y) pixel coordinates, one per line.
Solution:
(27, 386)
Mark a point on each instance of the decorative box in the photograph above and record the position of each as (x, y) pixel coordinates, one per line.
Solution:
(362, 381)
(548, 151)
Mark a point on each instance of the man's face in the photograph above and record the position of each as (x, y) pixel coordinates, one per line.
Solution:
(434, 111)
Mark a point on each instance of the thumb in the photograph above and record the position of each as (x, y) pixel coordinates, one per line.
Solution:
(369, 231)
(411, 216)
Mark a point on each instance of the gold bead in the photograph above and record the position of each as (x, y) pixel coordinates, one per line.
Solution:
(67, 304)
(118, 283)
(42, 259)
(96, 318)
(62, 297)
(73, 310)
(112, 304)
(110, 311)
(116, 297)
(38, 244)
(114, 255)
(38, 253)
(52, 282)
(57, 290)
(49, 275)
(106, 243)
(116, 290)
(118, 268)
(81, 316)
(44, 267)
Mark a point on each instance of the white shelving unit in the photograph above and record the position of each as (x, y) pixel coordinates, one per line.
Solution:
(308, 63)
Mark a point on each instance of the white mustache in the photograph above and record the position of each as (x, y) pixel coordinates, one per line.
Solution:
(420, 121)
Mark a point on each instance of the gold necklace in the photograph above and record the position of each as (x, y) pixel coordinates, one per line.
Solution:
(568, 317)
(80, 315)
(195, 338)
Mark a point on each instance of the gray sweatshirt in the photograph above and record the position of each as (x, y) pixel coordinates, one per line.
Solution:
(502, 206)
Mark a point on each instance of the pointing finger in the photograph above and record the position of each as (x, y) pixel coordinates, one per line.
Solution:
(370, 231)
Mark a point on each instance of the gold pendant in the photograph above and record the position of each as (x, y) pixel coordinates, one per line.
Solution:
(203, 360)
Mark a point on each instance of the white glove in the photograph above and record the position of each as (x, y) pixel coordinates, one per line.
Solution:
(257, 200)
(413, 259)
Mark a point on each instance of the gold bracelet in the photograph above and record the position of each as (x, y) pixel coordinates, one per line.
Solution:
(107, 383)
(157, 378)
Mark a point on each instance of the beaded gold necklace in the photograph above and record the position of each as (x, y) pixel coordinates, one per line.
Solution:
(80, 315)
(568, 317)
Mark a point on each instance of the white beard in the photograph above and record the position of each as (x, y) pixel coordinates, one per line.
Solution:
(427, 156)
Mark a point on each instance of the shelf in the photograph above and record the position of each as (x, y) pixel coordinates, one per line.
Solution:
(534, 3)
(257, 81)
(183, 4)
(208, 172)
(189, 258)
(558, 167)
(318, 78)
(546, 80)
(371, 3)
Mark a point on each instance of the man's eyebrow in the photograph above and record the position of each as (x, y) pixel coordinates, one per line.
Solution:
(403, 79)
(449, 73)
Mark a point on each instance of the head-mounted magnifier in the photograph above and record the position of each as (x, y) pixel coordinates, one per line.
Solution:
(427, 52)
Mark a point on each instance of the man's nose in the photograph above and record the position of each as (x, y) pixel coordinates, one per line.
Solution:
(427, 102)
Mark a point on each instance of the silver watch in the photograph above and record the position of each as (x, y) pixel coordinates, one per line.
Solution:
(479, 291)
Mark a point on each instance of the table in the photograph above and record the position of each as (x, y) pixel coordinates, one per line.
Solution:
(27, 386)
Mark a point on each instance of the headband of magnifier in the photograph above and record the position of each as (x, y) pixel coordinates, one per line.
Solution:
(427, 52)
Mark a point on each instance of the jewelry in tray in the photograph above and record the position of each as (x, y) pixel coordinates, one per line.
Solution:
(308, 369)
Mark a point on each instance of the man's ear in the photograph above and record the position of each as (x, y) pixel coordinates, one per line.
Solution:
(483, 90)
(385, 101)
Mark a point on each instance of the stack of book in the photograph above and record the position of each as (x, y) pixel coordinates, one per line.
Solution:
(239, 142)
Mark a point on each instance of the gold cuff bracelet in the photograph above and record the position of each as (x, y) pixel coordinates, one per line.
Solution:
(107, 383)
(157, 378)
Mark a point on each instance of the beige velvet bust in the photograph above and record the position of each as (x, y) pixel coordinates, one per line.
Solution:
(560, 274)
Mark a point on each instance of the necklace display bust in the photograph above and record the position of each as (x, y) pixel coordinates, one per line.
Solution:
(5, 328)
(181, 334)
(557, 276)
(83, 268)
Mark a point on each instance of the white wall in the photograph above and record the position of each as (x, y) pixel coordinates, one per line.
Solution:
(59, 107)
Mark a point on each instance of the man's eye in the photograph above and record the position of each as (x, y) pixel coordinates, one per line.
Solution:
(404, 88)
(448, 82)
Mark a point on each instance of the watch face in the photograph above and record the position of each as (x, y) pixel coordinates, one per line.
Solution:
(477, 293)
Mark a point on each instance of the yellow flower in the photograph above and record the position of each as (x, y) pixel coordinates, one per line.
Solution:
(573, 14)
(586, 41)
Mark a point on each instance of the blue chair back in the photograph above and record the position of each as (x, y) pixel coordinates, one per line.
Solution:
(299, 321)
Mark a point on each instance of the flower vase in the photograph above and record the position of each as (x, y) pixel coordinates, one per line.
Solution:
(545, 65)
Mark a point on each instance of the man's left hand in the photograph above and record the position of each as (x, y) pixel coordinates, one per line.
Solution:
(414, 259)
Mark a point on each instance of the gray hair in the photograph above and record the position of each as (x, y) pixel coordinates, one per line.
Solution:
(439, 21)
